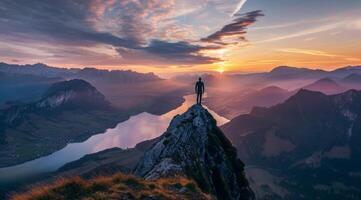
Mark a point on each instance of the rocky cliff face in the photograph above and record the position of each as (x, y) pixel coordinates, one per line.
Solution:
(194, 146)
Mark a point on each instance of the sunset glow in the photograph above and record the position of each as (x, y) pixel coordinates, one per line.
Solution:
(177, 36)
(220, 70)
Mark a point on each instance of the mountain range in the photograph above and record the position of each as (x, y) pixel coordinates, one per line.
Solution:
(233, 103)
(38, 69)
(86, 73)
(127, 90)
(305, 148)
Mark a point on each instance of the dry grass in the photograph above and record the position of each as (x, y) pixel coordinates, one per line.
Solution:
(119, 186)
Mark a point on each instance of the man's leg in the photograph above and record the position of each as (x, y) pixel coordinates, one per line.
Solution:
(197, 97)
(200, 98)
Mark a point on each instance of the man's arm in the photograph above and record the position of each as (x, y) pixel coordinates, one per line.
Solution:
(202, 87)
(195, 88)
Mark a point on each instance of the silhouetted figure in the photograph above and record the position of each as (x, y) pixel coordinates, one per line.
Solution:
(199, 90)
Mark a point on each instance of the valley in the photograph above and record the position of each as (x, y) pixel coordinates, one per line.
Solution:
(180, 100)
(116, 109)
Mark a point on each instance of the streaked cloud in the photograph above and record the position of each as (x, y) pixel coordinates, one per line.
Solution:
(302, 33)
(334, 26)
(318, 53)
(238, 7)
(234, 32)
(308, 52)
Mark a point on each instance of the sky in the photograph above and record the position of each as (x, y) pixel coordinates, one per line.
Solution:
(182, 36)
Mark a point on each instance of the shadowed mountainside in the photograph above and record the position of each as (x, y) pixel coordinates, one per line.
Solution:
(305, 148)
(59, 117)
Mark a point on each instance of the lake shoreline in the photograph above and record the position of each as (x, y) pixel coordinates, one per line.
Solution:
(121, 117)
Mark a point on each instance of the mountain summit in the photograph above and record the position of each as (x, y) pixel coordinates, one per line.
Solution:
(194, 146)
(75, 93)
(65, 95)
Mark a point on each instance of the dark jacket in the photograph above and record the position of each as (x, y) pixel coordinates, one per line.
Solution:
(199, 88)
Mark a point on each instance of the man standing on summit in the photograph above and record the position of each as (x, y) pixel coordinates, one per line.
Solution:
(199, 88)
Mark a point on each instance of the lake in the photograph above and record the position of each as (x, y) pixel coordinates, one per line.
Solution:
(126, 134)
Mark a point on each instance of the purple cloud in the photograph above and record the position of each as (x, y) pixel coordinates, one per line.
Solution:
(234, 32)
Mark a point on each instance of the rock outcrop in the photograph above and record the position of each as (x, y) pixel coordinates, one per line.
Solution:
(195, 147)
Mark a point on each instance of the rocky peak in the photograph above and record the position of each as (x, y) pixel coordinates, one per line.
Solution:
(64, 95)
(194, 146)
(73, 93)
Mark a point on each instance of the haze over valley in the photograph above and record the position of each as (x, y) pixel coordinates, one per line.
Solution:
(205, 100)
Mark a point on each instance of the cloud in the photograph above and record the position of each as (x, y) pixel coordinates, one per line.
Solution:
(238, 7)
(334, 26)
(307, 32)
(308, 52)
(317, 53)
(145, 31)
(234, 32)
(354, 25)
(180, 51)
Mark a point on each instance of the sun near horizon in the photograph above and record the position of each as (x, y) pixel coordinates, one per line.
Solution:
(174, 37)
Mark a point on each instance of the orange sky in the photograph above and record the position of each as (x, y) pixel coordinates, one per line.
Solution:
(178, 36)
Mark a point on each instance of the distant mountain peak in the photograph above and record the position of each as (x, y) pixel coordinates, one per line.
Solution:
(326, 80)
(65, 95)
(305, 97)
(288, 69)
(40, 65)
(116, 76)
(352, 78)
(326, 85)
(194, 146)
(307, 93)
(273, 88)
(75, 93)
(63, 86)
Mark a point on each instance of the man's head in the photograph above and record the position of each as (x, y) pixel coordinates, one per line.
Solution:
(199, 78)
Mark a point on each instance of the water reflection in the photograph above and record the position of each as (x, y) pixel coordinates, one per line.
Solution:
(126, 134)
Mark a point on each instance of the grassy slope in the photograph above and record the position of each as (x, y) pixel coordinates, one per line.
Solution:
(119, 186)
